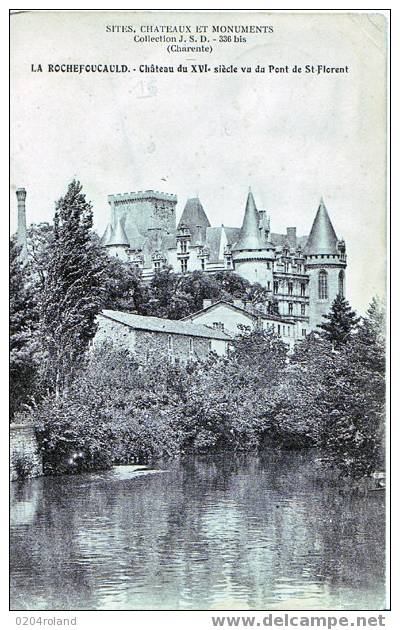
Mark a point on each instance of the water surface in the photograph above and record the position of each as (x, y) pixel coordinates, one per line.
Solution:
(221, 533)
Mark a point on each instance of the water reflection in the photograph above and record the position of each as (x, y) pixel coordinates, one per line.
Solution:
(258, 533)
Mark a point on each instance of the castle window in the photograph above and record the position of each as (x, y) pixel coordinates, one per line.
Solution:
(279, 330)
(290, 308)
(290, 288)
(157, 265)
(323, 285)
(303, 309)
(218, 326)
(304, 332)
(203, 264)
(286, 267)
(302, 289)
(184, 265)
(210, 345)
(184, 247)
(341, 283)
(268, 285)
(170, 346)
(284, 330)
(276, 286)
(190, 345)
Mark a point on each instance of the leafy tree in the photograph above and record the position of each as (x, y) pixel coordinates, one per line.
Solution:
(23, 349)
(74, 287)
(124, 289)
(40, 239)
(167, 297)
(340, 322)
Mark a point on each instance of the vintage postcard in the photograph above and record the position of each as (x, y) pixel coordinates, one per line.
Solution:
(198, 265)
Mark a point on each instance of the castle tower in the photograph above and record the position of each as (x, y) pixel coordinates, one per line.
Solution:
(140, 211)
(252, 255)
(325, 260)
(21, 233)
(118, 245)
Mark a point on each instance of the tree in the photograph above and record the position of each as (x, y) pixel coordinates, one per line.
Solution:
(340, 322)
(167, 297)
(74, 287)
(124, 289)
(23, 348)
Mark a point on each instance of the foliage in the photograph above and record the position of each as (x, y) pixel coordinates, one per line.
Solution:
(23, 347)
(23, 464)
(124, 290)
(340, 322)
(74, 288)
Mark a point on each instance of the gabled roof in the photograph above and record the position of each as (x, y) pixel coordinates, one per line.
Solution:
(193, 215)
(250, 237)
(322, 239)
(280, 239)
(107, 235)
(119, 236)
(254, 314)
(170, 326)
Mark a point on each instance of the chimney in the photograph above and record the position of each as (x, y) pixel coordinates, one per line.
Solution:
(291, 237)
(21, 233)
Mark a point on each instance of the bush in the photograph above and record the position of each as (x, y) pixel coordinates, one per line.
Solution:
(23, 464)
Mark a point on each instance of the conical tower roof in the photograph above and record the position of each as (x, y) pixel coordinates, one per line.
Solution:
(107, 235)
(250, 237)
(322, 239)
(119, 236)
(193, 216)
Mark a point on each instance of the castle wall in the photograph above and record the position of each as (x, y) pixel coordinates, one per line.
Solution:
(255, 271)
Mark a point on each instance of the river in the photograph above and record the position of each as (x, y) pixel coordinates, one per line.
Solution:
(226, 532)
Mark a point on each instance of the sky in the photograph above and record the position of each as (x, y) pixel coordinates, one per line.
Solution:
(292, 137)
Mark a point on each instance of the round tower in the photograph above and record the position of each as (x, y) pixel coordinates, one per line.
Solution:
(252, 255)
(118, 244)
(325, 261)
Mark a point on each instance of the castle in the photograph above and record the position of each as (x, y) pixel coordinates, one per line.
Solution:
(303, 273)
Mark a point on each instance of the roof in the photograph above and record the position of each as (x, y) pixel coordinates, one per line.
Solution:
(213, 242)
(119, 236)
(107, 235)
(282, 239)
(251, 313)
(250, 237)
(193, 215)
(170, 326)
(322, 239)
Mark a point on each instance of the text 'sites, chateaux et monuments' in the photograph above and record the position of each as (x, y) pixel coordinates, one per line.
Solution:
(302, 273)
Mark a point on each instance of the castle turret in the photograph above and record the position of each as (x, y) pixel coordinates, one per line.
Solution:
(252, 255)
(118, 245)
(105, 239)
(21, 234)
(325, 258)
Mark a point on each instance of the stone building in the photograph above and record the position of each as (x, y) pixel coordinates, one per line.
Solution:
(302, 273)
(231, 318)
(149, 338)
